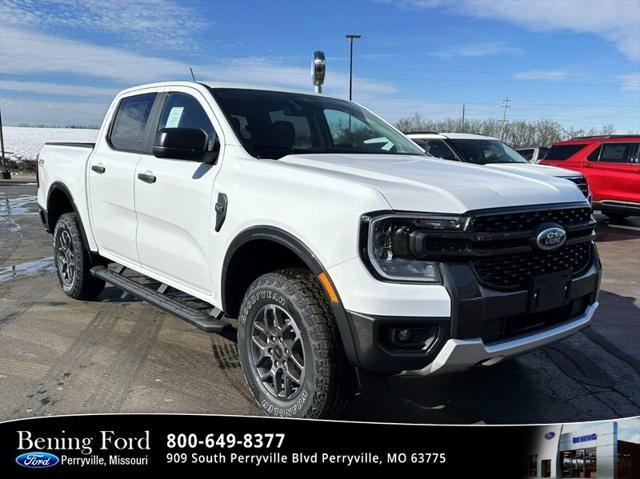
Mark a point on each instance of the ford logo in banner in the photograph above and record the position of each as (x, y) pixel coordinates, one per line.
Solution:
(549, 237)
(37, 460)
(550, 435)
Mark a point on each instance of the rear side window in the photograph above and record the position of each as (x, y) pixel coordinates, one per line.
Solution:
(130, 122)
(618, 153)
(562, 152)
(184, 111)
(542, 152)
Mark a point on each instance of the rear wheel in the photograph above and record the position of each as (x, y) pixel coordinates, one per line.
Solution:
(72, 260)
(290, 349)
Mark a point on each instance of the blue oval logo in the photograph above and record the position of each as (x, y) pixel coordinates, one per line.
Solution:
(37, 460)
(551, 238)
(550, 435)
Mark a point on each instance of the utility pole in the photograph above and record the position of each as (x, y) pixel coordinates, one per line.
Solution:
(6, 174)
(462, 125)
(505, 105)
(351, 37)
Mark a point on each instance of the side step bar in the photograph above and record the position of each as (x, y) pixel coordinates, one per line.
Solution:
(199, 318)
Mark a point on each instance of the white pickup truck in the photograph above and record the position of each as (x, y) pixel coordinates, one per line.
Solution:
(219, 202)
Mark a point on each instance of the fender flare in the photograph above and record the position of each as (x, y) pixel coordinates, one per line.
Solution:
(297, 247)
(59, 186)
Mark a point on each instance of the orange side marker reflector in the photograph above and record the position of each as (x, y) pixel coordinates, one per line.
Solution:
(326, 284)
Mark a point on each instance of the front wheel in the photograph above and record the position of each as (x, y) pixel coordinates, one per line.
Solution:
(290, 348)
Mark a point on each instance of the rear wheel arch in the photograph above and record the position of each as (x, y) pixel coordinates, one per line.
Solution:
(263, 249)
(60, 201)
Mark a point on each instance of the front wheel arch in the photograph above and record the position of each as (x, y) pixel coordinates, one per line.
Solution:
(294, 254)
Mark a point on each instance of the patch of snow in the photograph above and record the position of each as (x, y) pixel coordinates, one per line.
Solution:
(23, 143)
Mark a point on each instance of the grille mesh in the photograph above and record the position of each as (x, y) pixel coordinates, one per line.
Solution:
(514, 270)
(529, 220)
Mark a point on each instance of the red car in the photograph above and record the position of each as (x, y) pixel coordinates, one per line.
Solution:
(611, 165)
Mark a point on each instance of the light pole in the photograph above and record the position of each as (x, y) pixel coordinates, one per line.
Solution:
(6, 174)
(351, 38)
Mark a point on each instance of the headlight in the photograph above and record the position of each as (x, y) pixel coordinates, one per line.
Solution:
(398, 244)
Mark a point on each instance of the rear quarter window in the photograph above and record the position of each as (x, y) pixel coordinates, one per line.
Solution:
(562, 152)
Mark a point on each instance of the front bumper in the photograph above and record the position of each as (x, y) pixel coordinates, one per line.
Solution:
(484, 325)
(461, 354)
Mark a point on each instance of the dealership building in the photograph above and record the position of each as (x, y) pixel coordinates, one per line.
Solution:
(605, 449)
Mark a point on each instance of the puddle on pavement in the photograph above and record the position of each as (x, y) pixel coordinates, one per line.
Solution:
(18, 205)
(28, 268)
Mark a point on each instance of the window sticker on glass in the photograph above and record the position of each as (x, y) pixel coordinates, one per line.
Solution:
(173, 120)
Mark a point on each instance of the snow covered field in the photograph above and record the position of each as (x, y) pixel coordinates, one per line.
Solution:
(21, 143)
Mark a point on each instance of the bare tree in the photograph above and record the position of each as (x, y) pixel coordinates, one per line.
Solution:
(519, 134)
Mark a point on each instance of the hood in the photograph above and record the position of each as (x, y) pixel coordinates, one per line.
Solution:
(526, 168)
(420, 183)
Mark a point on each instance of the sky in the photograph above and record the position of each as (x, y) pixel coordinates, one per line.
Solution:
(573, 61)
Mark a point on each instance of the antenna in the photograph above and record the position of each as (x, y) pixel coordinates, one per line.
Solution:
(193, 77)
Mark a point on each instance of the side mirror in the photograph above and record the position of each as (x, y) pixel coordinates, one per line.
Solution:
(180, 144)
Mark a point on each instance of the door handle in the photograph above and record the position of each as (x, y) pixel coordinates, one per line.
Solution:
(586, 165)
(147, 178)
(98, 168)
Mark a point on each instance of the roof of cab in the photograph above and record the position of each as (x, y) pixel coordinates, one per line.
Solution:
(243, 86)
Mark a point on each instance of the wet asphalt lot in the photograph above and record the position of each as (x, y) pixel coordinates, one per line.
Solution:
(117, 354)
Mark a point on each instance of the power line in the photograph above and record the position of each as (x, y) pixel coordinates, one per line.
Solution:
(505, 105)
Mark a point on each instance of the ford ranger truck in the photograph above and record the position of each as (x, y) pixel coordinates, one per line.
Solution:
(222, 203)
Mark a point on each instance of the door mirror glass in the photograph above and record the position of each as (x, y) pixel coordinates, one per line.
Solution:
(180, 144)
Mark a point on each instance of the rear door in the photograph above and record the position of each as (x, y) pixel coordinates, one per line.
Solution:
(617, 170)
(176, 210)
(110, 177)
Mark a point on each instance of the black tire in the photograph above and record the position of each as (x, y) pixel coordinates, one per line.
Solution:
(615, 216)
(72, 260)
(327, 382)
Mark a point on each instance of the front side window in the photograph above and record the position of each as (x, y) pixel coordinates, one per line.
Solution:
(439, 149)
(272, 124)
(184, 111)
(130, 122)
(483, 152)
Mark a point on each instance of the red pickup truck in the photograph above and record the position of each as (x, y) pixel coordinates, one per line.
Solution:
(612, 167)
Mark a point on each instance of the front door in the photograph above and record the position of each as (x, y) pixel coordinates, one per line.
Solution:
(110, 178)
(174, 201)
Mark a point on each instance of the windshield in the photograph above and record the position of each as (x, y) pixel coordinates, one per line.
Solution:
(482, 152)
(273, 124)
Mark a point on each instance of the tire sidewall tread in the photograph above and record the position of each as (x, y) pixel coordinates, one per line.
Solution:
(325, 392)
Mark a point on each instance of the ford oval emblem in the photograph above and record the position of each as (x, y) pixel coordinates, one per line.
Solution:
(550, 238)
(37, 460)
(550, 435)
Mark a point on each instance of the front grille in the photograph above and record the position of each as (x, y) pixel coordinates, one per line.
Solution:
(581, 183)
(512, 271)
(529, 220)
